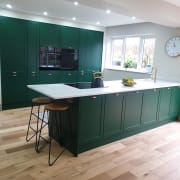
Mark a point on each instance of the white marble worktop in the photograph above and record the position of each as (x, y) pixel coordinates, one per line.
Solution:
(62, 91)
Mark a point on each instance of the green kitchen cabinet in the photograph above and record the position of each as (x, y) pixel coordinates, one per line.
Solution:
(90, 54)
(33, 57)
(175, 102)
(90, 119)
(69, 37)
(48, 77)
(67, 76)
(13, 44)
(165, 104)
(13, 62)
(49, 35)
(150, 106)
(132, 111)
(14, 90)
(94, 50)
(113, 114)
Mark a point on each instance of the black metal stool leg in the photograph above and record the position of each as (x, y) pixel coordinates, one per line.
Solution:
(37, 129)
(38, 137)
(29, 126)
(58, 156)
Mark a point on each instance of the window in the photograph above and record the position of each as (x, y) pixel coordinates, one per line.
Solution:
(133, 52)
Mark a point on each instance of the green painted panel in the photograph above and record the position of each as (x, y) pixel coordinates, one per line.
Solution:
(69, 37)
(90, 120)
(90, 56)
(68, 76)
(175, 102)
(33, 46)
(113, 114)
(13, 44)
(132, 111)
(50, 35)
(49, 77)
(164, 105)
(150, 106)
(94, 49)
(14, 88)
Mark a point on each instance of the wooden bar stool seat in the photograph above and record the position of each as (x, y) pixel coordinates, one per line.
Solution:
(55, 125)
(38, 101)
(41, 100)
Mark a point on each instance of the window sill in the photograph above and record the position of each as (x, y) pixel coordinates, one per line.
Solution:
(129, 70)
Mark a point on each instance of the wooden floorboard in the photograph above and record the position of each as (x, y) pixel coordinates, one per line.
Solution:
(151, 155)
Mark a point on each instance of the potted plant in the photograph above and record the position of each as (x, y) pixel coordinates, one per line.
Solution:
(97, 80)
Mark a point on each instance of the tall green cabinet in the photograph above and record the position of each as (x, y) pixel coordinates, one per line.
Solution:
(14, 61)
(90, 57)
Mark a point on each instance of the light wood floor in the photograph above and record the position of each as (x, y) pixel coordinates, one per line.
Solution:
(152, 155)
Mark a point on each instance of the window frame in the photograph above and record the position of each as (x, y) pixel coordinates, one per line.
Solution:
(110, 65)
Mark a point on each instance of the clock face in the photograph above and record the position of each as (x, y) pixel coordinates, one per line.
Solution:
(173, 46)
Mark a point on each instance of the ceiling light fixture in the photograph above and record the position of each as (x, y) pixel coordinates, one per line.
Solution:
(133, 17)
(9, 6)
(73, 18)
(45, 13)
(108, 11)
(76, 3)
(98, 23)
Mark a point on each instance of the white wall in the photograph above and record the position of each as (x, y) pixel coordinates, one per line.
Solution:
(168, 67)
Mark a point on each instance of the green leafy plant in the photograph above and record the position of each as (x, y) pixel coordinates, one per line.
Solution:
(130, 63)
(97, 75)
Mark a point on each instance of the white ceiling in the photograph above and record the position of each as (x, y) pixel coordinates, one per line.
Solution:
(165, 12)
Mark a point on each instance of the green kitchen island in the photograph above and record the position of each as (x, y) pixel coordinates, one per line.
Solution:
(102, 115)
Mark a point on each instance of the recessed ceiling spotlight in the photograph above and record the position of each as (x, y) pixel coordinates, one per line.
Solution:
(73, 18)
(9, 6)
(45, 13)
(76, 3)
(108, 11)
(133, 17)
(98, 23)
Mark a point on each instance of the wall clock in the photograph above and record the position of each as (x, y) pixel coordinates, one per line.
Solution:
(173, 46)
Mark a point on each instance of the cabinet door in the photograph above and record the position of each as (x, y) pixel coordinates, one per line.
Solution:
(67, 76)
(132, 111)
(175, 102)
(49, 35)
(90, 54)
(113, 114)
(90, 121)
(14, 88)
(48, 77)
(33, 46)
(94, 50)
(69, 37)
(13, 44)
(33, 57)
(164, 105)
(150, 106)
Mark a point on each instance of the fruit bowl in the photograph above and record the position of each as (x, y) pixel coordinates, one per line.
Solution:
(128, 82)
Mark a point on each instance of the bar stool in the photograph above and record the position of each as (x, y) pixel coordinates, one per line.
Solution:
(55, 125)
(39, 101)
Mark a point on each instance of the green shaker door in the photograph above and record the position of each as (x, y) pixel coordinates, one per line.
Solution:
(113, 115)
(165, 103)
(69, 37)
(150, 106)
(13, 44)
(175, 102)
(90, 121)
(132, 111)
